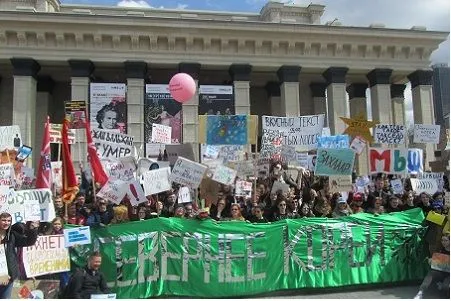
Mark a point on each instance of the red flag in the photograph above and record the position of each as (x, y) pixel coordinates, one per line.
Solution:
(70, 183)
(99, 174)
(45, 167)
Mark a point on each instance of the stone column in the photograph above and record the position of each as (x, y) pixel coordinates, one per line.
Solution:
(379, 80)
(135, 72)
(44, 99)
(241, 76)
(319, 100)
(24, 102)
(397, 101)
(289, 90)
(81, 71)
(423, 107)
(357, 106)
(273, 90)
(337, 104)
(190, 110)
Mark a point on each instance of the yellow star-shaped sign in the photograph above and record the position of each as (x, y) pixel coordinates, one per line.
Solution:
(359, 126)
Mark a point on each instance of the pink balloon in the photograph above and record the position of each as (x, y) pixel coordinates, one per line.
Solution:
(182, 87)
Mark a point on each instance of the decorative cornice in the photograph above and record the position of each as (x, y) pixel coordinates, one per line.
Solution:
(357, 90)
(420, 78)
(289, 74)
(240, 72)
(273, 89)
(335, 75)
(25, 67)
(81, 68)
(45, 84)
(397, 90)
(192, 69)
(318, 89)
(379, 77)
(135, 69)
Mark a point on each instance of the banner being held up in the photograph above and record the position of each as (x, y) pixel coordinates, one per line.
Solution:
(388, 161)
(112, 144)
(331, 161)
(389, 133)
(121, 168)
(187, 172)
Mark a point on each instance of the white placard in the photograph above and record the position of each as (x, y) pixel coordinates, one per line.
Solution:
(7, 174)
(184, 195)
(103, 296)
(244, 168)
(187, 172)
(55, 134)
(112, 144)
(161, 133)
(389, 133)
(433, 175)
(3, 263)
(120, 169)
(429, 186)
(57, 173)
(114, 191)
(211, 152)
(243, 188)
(302, 159)
(156, 181)
(23, 202)
(426, 133)
(339, 183)
(10, 137)
(358, 144)
(77, 236)
(224, 175)
(136, 193)
(325, 132)
(276, 186)
(397, 186)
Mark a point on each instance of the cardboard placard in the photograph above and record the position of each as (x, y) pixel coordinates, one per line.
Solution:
(337, 141)
(25, 205)
(114, 190)
(224, 175)
(161, 133)
(334, 162)
(340, 183)
(184, 195)
(426, 133)
(187, 172)
(358, 144)
(55, 134)
(276, 186)
(389, 133)
(429, 186)
(77, 236)
(10, 137)
(156, 181)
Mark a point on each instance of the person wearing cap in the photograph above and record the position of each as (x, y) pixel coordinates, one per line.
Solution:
(342, 208)
(356, 203)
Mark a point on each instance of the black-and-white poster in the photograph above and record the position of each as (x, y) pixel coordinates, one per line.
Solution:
(216, 100)
(108, 107)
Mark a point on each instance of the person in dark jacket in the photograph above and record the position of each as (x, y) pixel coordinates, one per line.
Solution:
(9, 241)
(89, 281)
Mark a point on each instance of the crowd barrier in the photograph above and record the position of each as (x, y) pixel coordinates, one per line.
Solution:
(179, 257)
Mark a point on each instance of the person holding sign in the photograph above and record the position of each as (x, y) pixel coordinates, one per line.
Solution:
(10, 240)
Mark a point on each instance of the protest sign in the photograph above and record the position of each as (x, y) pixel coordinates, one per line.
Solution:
(7, 174)
(23, 153)
(47, 256)
(184, 195)
(331, 161)
(337, 141)
(112, 144)
(429, 186)
(3, 263)
(433, 175)
(35, 289)
(340, 183)
(120, 169)
(179, 150)
(388, 161)
(287, 153)
(6, 193)
(359, 126)
(216, 100)
(76, 113)
(302, 159)
(358, 145)
(243, 189)
(325, 132)
(389, 133)
(224, 175)
(224, 152)
(156, 181)
(397, 186)
(23, 205)
(10, 137)
(311, 162)
(103, 296)
(440, 262)
(211, 152)
(276, 186)
(136, 193)
(114, 190)
(301, 131)
(77, 236)
(227, 130)
(414, 160)
(57, 173)
(55, 134)
(187, 172)
(426, 133)
(27, 178)
(161, 133)
(262, 170)
(244, 168)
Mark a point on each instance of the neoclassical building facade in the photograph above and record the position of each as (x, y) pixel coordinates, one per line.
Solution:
(282, 61)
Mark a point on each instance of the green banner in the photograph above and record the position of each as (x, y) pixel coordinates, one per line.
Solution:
(224, 259)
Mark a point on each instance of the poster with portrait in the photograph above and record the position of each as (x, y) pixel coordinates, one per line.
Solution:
(75, 111)
(216, 100)
(108, 107)
(161, 108)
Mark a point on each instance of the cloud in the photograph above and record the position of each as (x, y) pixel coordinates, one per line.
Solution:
(133, 3)
(182, 6)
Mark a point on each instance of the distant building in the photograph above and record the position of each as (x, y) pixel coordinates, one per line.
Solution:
(440, 89)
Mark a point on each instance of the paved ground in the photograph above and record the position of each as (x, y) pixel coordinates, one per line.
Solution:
(381, 292)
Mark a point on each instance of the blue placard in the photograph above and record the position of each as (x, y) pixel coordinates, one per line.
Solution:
(414, 160)
(77, 236)
(330, 161)
(226, 129)
(338, 141)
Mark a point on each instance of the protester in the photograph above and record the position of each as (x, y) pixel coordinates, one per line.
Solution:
(257, 215)
(375, 205)
(235, 213)
(10, 240)
(306, 210)
(179, 211)
(356, 203)
(341, 209)
(219, 212)
(394, 204)
(73, 217)
(408, 200)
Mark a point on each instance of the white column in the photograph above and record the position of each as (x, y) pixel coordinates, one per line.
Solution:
(241, 76)
(289, 90)
(357, 107)
(24, 102)
(80, 79)
(135, 72)
(423, 107)
(336, 98)
(190, 110)
(397, 101)
(381, 106)
(318, 91)
(273, 91)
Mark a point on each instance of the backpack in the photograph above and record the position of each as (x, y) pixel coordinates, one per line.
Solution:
(68, 290)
